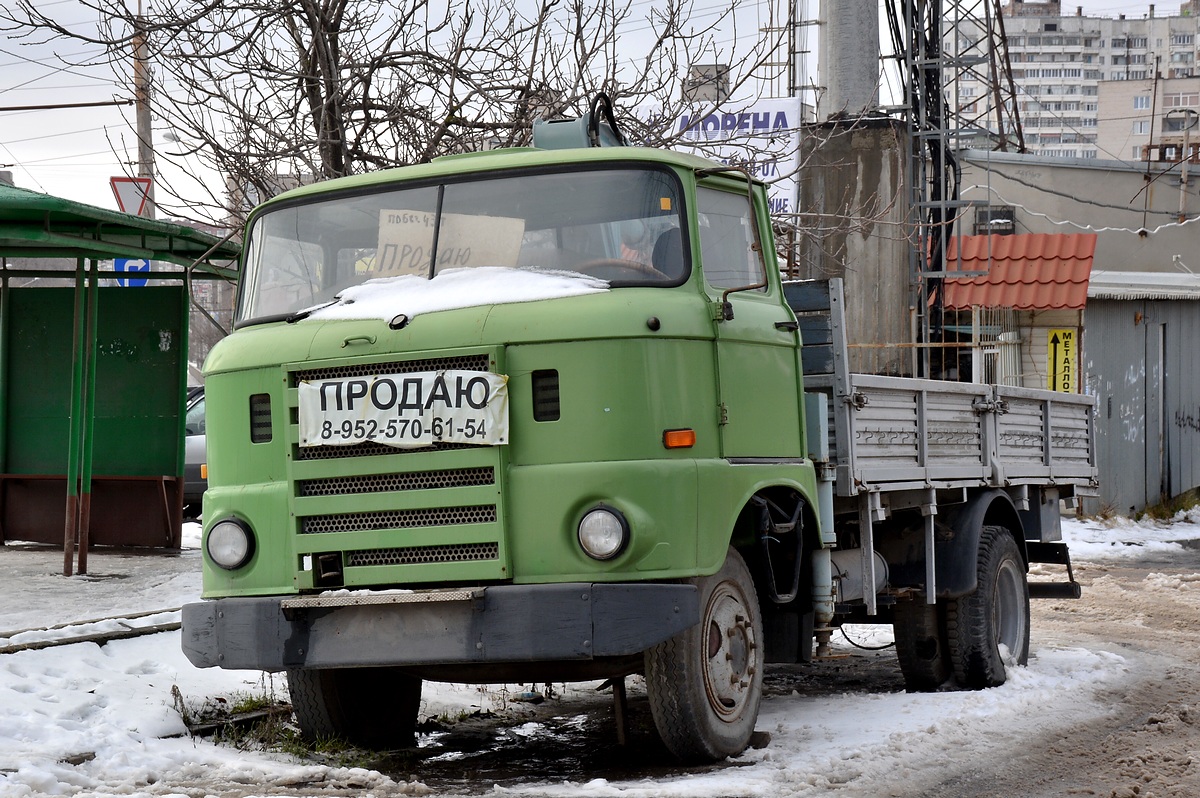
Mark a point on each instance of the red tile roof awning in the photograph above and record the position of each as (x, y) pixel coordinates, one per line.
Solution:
(1032, 271)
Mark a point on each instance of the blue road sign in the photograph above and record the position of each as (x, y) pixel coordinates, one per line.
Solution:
(131, 266)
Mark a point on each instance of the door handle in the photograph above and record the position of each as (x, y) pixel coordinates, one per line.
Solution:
(787, 326)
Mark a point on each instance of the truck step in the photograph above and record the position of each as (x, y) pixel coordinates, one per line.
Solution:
(1055, 590)
(1053, 553)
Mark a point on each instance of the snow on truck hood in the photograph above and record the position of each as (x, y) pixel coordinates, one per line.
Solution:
(386, 297)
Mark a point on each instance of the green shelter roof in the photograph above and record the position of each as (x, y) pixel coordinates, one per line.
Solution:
(36, 225)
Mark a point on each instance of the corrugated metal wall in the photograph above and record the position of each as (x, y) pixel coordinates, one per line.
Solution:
(1141, 359)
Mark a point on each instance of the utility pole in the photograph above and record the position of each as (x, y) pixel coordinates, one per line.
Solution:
(141, 85)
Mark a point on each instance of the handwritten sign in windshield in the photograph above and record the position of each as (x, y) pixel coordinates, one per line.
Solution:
(406, 240)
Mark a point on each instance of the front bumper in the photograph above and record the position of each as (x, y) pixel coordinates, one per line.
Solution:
(505, 623)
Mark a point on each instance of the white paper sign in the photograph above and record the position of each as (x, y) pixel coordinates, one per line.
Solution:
(406, 411)
(406, 241)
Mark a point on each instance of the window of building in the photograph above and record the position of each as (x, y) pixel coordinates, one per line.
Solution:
(1051, 26)
(1138, 74)
(1119, 44)
(1181, 99)
(1120, 60)
(1137, 153)
(1141, 101)
(1137, 58)
(1117, 76)
(1141, 127)
(1177, 123)
(1088, 121)
(1182, 38)
(1137, 42)
(1071, 41)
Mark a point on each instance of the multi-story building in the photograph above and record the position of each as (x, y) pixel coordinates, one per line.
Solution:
(1150, 120)
(1062, 65)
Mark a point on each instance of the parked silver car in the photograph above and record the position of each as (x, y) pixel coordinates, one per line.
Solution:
(195, 455)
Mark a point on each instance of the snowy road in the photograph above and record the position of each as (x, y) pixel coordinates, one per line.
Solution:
(1106, 707)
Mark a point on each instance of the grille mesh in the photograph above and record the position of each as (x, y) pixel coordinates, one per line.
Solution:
(424, 555)
(369, 450)
(380, 483)
(399, 519)
(462, 362)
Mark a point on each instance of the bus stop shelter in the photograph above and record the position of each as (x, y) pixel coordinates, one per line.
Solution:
(93, 372)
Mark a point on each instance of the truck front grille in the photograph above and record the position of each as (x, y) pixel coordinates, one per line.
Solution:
(382, 515)
(463, 362)
(399, 519)
(424, 555)
(368, 450)
(382, 483)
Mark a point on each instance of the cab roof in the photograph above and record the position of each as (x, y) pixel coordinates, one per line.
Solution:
(500, 160)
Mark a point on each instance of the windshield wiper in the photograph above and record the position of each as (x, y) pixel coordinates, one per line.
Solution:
(300, 315)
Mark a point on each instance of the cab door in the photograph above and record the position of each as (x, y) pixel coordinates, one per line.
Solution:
(756, 350)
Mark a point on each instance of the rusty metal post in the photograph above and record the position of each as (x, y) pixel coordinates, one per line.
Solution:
(89, 417)
(75, 425)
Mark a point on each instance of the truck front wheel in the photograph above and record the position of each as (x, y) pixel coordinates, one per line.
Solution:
(705, 684)
(991, 625)
(370, 707)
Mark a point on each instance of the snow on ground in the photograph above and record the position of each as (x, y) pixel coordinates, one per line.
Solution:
(92, 720)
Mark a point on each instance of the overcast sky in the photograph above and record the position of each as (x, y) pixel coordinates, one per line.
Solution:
(74, 152)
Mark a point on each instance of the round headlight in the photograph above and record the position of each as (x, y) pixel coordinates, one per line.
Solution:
(230, 544)
(603, 533)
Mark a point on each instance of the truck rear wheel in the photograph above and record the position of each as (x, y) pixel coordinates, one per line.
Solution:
(705, 684)
(921, 645)
(995, 616)
(370, 707)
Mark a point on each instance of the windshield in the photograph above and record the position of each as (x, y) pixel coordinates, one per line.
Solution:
(620, 225)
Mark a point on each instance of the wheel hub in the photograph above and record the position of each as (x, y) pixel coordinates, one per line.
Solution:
(729, 665)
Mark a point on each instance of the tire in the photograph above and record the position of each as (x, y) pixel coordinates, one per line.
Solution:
(921, 645)
(705, 684)
(369, 707)
(995, 615)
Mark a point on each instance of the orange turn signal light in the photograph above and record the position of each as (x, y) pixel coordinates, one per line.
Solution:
(204, 471)
(679, 438)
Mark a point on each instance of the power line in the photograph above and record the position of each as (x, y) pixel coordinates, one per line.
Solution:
(57, 106)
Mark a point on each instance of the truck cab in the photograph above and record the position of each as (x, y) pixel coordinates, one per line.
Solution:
(529, 414)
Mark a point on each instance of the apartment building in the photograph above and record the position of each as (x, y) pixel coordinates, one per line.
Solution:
(1062, 65)
(1150, 119)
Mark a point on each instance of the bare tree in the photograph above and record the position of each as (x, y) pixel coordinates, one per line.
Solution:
(272, 93)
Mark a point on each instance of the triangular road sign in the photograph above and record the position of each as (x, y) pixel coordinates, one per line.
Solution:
(131, 193)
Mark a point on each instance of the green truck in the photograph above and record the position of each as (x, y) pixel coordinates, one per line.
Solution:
(550, 414)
